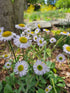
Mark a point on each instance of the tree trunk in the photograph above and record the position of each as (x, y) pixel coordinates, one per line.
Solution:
(11, 13)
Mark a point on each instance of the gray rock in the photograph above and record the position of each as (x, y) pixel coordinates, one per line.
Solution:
(43, 24)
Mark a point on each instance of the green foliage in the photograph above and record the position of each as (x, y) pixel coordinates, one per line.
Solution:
(35, 1)
(63, 3)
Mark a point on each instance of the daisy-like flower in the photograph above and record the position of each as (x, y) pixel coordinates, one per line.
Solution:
(52, 40)
(28, 30)
(47, 89)
(6, 56)
(22, 42)
(40, 68)
(66, 48)
(68, 34)
(21, 68)
(8, 65)
(46, 30)
(64, 33)
(35, 38)
(37, 31)
(7, 35)
(40, 41)
(60, 58)
(20, 26)
(1, 30)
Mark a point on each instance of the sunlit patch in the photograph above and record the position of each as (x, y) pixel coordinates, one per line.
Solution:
(39, 67)
(6, 34)
(21, 25)
(68, 48)
(23, 39)
(20, 68)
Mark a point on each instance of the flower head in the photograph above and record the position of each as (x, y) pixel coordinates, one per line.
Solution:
(66, 48)
(6, 56)
(7, 35)
(20, 26)
(64, 33)
(60, 58)
(22, 42)
(52, 40)
(8, 65)
(37, 31)
(46, 30)
(47, 89)
(40, 68)
(21, 68)
(40, 41)
(35, 38)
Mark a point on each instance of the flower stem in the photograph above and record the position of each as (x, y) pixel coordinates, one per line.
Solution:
(12, 50)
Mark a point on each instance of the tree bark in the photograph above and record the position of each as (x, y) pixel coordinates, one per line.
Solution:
(11, 13)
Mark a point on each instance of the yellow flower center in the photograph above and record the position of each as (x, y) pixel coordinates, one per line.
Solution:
(36, 30)
(20, 68)
(46, 90)
(28, 30)
(60, 58)
(39, 26)
(39, 67)
(0, 30)
(35, 38)
(6, 55)
(64, 32)
(49, 86)
(6, 34)
(32, 32)
(23, 39)
(46, 30)
(40, 41)
(21, 25)
(68, 48)
(68, 34)
(8, 65)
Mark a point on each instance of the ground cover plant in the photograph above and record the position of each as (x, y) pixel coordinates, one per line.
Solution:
(31, 71)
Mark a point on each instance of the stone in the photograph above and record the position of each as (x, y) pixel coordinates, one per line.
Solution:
(43, 24)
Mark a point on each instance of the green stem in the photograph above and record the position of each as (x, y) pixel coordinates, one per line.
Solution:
(12, 50)
(23, 52)
(54, 86)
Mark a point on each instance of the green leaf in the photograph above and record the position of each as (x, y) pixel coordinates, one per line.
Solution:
(50, 64)
(54, 70)
(8, 89)
(0, 86)
(40, 90)
(48, 50)
(61, 85)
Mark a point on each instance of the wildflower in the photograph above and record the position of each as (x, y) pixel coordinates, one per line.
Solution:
(8, 65)
(38, 25)
(52, 40)
(1, 30)
(68, 34)
(60, 58)
(22, 42)
(21, 68)
(35, 38)
(46, 30)
(66, 48)
(37, 31)
(64, 33)
(32, 32)
(47, 89)
(7, 35)
(20, 26)
(28, 30)
(5, 56)
(40, 41)
(40, 68)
